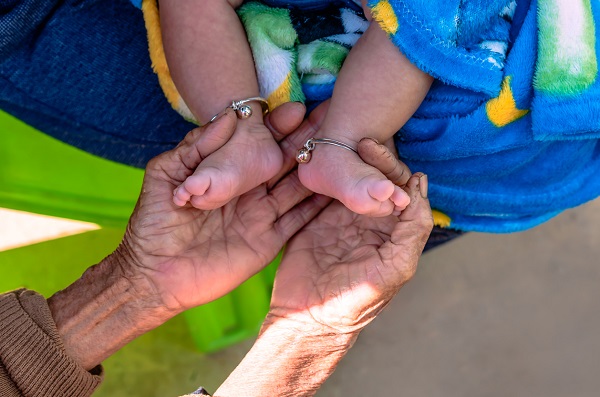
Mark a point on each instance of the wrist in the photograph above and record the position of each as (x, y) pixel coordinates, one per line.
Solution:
(309, 329)
(133, 263)
(104, 310)
(290, 357)
(143, 296)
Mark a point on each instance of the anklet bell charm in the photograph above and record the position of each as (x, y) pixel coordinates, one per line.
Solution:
(244, 112)
(303, 155)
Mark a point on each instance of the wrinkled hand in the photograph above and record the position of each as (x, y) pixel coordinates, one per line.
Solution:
(340, 271)
(189, 257)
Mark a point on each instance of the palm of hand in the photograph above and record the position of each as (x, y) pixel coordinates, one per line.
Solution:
(184, 247)
(341, 270)
(189, 256)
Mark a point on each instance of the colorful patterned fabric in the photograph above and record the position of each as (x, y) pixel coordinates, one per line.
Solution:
(508, 133)
(508, 141)
(317, 38)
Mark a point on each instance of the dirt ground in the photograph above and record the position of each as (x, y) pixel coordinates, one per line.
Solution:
(490, 315)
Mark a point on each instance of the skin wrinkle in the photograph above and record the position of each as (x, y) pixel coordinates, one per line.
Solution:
(209, 249)
(262, 257)
(344, 251)
(165, 268)
(127, 246)
(301, 217)
(217, 227)
(377, 271)
(132, 284)
(348, 321)
(297, 190)
(288, 224)
(183, 161)
(296, 220)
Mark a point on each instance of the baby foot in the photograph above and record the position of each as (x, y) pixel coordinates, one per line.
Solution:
(248, 159)
(341, 174)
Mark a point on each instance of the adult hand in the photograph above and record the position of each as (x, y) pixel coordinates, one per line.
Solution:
(174, 258)
(191, 257)
(343, 268)
(336, 275)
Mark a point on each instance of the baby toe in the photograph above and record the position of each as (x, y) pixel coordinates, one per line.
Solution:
(380, 190)
(400, 198)
(181, 196)
(197, 185)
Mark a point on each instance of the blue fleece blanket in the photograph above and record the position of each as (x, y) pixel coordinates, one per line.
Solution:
(508, 134)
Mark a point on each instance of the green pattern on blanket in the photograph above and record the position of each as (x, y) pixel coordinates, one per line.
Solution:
(299, 54)
(567, 61)
(320, 61)
(273, 41)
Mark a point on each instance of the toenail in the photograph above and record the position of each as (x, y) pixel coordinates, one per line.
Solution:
(371, 139)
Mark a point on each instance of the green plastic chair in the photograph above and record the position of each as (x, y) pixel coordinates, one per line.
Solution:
(42, 175)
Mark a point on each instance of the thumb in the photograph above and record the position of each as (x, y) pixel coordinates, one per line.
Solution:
(416, 221)
(203, 141)
(180, 162)
(382, 158)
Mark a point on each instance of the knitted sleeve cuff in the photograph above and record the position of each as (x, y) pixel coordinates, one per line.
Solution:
(32, 353)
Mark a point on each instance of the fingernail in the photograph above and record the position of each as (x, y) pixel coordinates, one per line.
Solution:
(220, 115)
(217, 118)
(423, 186)
(371, 139)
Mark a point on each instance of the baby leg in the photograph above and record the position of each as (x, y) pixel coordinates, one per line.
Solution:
(378, 89)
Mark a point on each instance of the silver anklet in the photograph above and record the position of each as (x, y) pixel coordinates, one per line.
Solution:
(242, 110)
(304, 154)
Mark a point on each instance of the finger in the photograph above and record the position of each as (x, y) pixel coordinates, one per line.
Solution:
(382, 158)
(211, 138)
(180, 162)
(295, 219)
(400, 198)
(416, 221)
(284, 119)
(290, 145)
(288, 193)
(410, 233)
